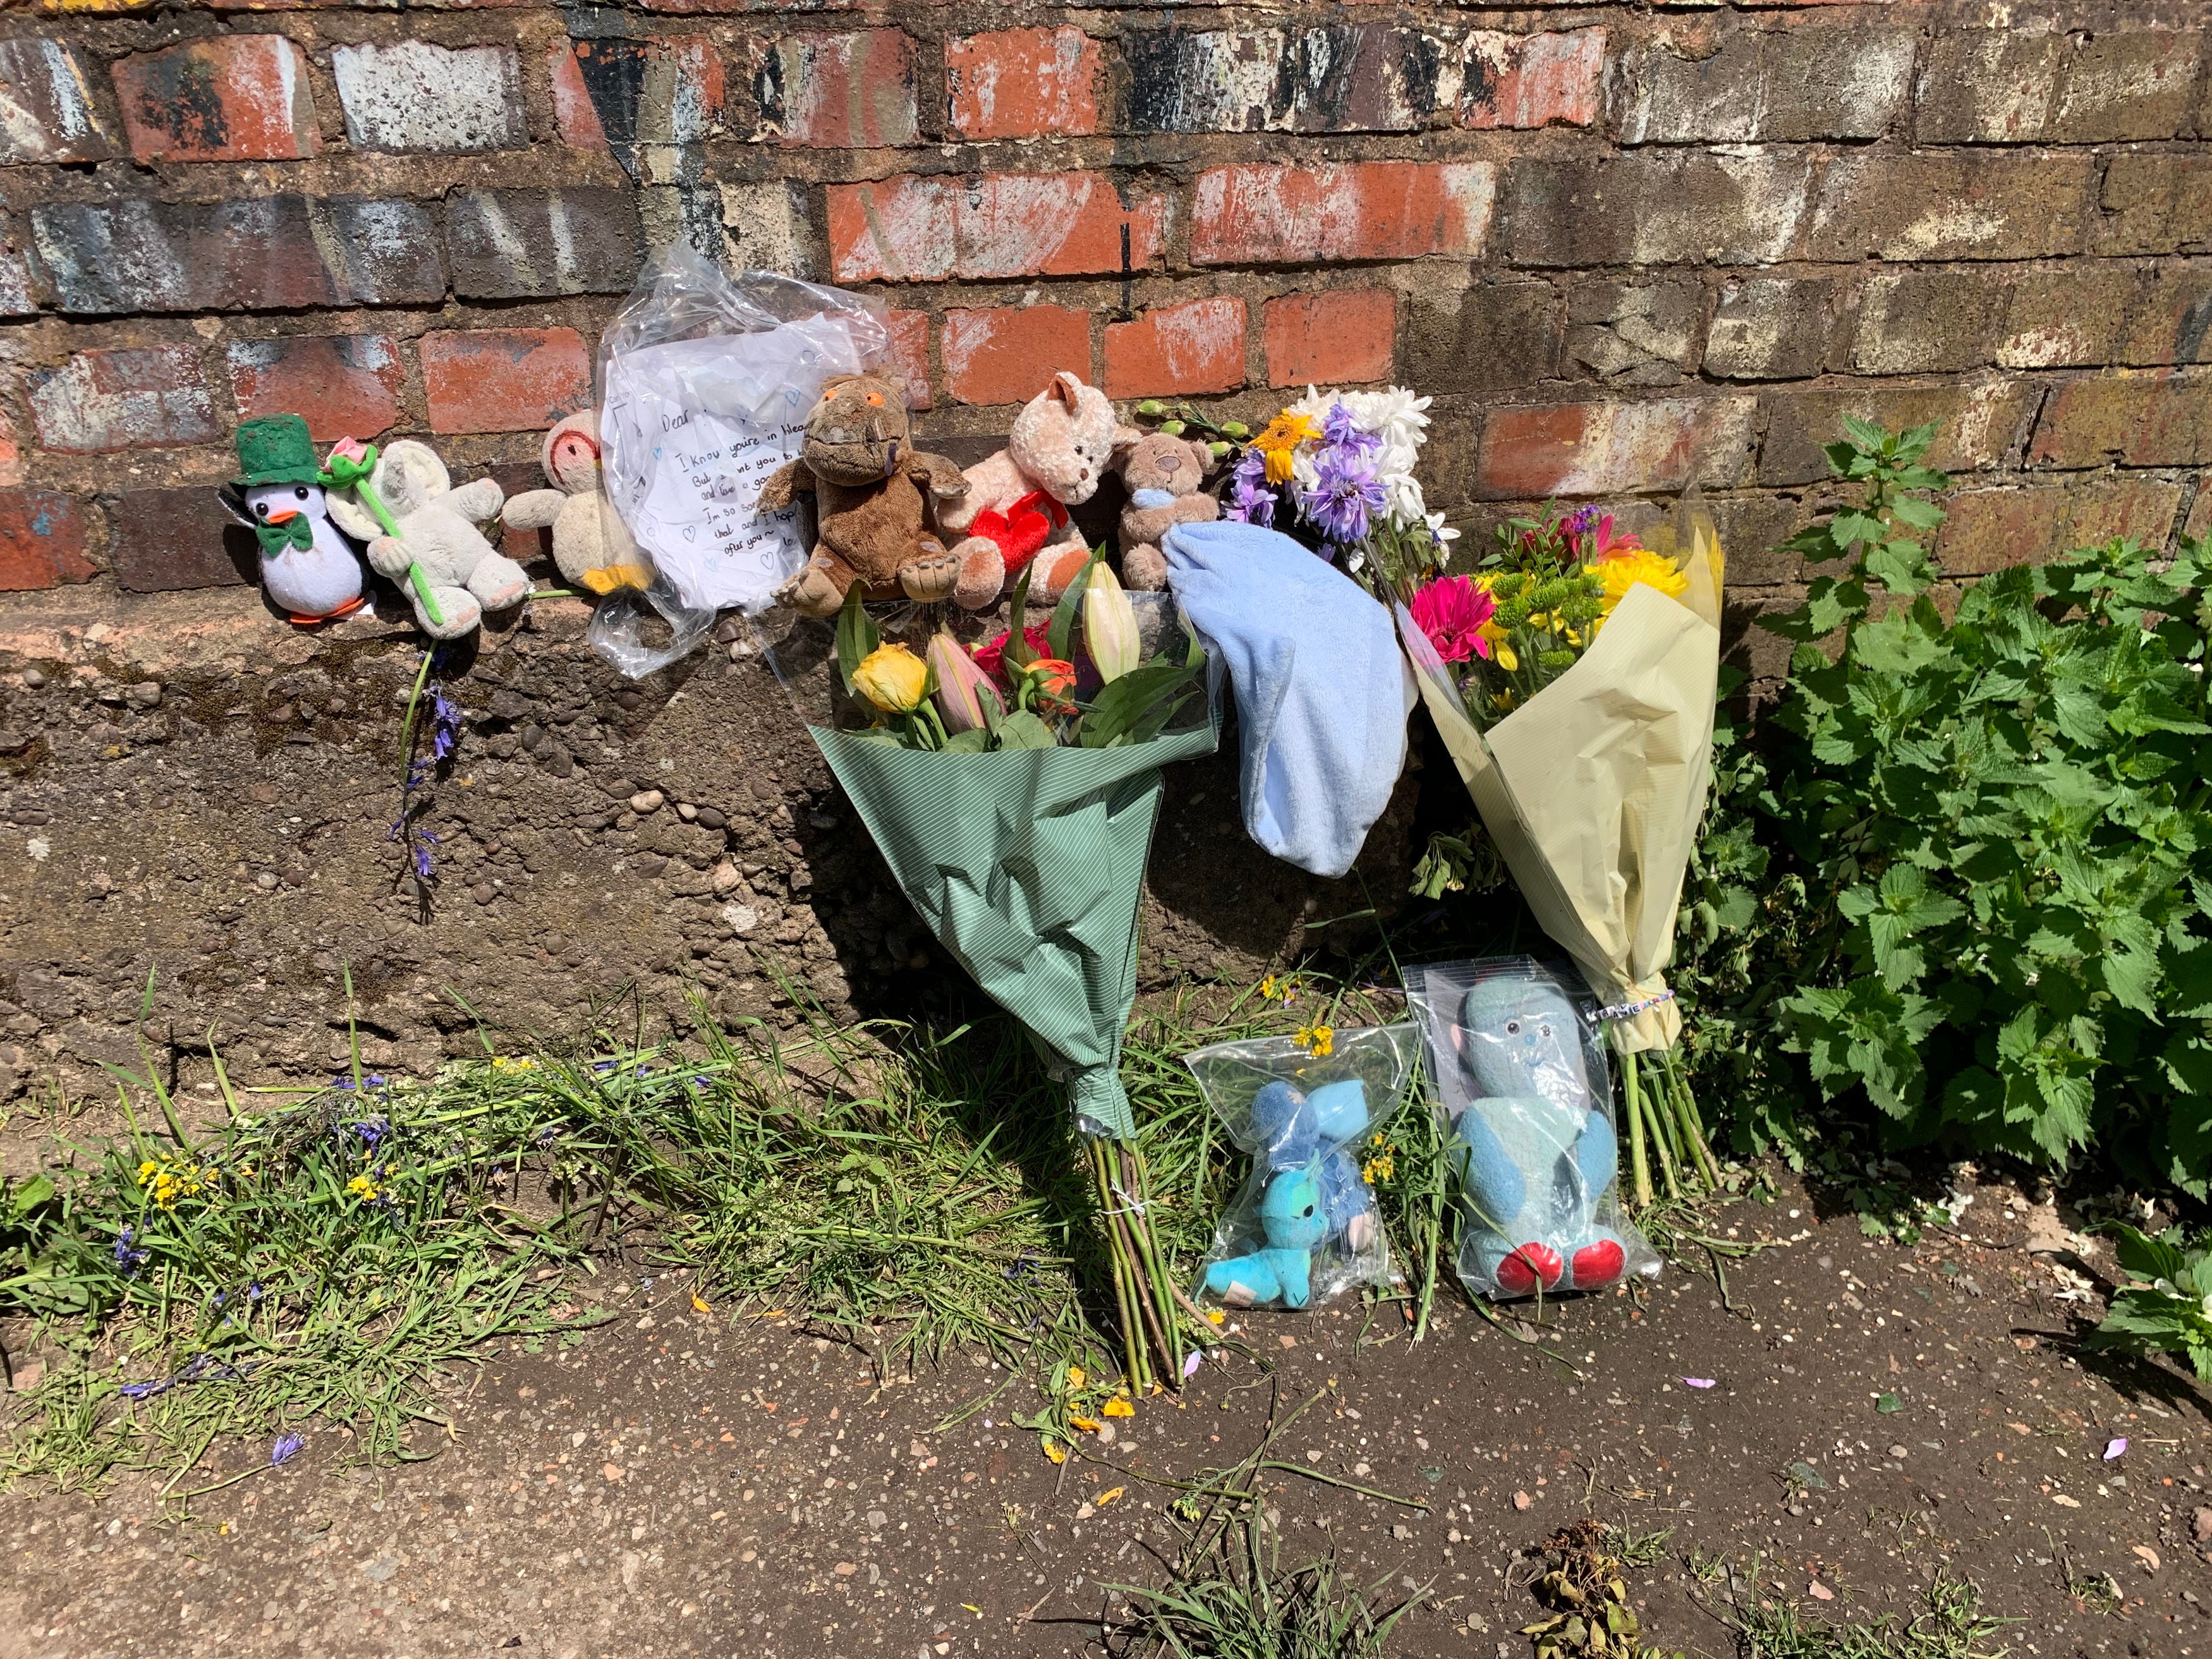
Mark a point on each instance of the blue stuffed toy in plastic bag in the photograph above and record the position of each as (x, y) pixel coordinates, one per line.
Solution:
(1305, 1227)
(1523, 1082)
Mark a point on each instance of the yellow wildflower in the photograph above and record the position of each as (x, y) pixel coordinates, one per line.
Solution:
(167, 1179)
(1215, 1316)
(1088, 1424)
(502, 1063)
(1623, 570)
(1118, 1408)
(698, 1302)
(893, 678)
(1108, 1497)
(1281, 438)
(364, 1190)
(1317, 1040)
(1055, 1451)
(1271, 987)
(1074, 1377)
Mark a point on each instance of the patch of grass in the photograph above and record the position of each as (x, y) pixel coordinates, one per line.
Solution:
(326, 1258)
(1952, 1627)
(1238, 1603)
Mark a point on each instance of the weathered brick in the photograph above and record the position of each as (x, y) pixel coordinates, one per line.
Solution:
(2169, 318)
(1770, 84)
(1344, 336)
(2199, 522)
(1977, 424)
(1023, 83)
(1771, 328)
(19, 283)
(2135, 419)
(1752, 529)
(11, 452)
(1916, 322)
(2155, 205)
(1656, 208)
(228, 97)
(1002, 224)
(1989, 529)
(2066, 316)
(504, 379)
(2141, 509)
(1008, 354)
(44, 540)
(267, 254)
(1532, 80)
(346, 385)
(1609, 448)
(1262, 215)
(526, 244)
(47, 112)
(1491, 337)
(162, 541)
(2006, 86)
(766, 228)
(413, 98)
(1348, 77)
(1953, 206)
(1182, 350)
(839, 91)
(667, 90)
(910, 355)
(131, 397)
(1636, 333)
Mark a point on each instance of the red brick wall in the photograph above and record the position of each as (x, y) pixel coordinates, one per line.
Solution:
(1627, 250)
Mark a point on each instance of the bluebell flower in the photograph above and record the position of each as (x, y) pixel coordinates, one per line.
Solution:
(371, 1131)
(287, 1447)
(445, 723)
(126, 1258)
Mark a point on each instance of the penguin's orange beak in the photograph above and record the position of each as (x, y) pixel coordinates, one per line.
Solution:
(285, 517)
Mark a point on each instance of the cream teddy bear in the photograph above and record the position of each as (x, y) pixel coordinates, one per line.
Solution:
(1015, 510)
(591, 544)
(438, 531)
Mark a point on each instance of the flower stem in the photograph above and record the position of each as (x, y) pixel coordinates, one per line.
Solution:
(1638, 1165)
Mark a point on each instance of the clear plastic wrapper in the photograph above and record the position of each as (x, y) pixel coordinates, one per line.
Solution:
(1305, 1228)
(704, 385)
(1518, 1066)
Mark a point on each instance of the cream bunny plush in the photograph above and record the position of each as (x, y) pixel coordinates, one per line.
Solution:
(438, 531)
(591, 544)
(1015, 510)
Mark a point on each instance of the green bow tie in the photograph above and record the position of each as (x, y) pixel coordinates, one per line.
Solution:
(298, 531)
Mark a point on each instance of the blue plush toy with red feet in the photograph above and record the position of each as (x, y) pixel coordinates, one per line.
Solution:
(1535, 1155)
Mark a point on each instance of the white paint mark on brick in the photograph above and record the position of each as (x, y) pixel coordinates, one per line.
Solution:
(126, 399)
(415, 99)
(46, 111)
(1628, 447)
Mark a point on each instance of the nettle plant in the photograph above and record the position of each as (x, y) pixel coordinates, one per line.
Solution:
(2004, 814)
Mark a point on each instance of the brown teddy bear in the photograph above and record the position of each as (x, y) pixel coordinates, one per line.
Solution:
(1166, 480)
(875, 498)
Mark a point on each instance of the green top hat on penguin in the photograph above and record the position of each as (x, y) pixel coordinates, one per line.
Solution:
(275, 449)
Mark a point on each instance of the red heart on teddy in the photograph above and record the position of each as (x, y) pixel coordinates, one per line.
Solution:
(1022, 529)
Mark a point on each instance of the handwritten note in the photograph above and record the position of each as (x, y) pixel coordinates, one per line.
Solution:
(693, 428)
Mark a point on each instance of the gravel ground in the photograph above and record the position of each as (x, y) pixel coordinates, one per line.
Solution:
(676, 1485)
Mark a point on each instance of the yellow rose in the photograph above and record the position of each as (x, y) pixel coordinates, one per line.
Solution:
(893, 678)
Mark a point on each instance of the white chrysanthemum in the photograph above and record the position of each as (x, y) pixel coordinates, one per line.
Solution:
(1396, 416)
(1401, 492)
(1314, 406)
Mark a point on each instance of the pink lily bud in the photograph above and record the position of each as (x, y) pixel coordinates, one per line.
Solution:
(351, 449)
(1109, 623)
(962, 686)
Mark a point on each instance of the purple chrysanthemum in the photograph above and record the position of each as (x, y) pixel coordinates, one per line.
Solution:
(1346, 494)
(1250, 499)
(1340, 431)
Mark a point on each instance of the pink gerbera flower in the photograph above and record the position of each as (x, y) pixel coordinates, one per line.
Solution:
(1451, 611)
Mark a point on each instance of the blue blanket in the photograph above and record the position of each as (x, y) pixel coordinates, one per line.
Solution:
(1322, 690)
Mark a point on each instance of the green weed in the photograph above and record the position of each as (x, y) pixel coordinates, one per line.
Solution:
(1951, 1626)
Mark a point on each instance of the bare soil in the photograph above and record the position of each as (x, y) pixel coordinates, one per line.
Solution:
(679, 1484)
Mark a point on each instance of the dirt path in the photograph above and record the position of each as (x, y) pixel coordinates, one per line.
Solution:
(673, 1486)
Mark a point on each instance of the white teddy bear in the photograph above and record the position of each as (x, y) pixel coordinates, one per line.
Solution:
(465, 575)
